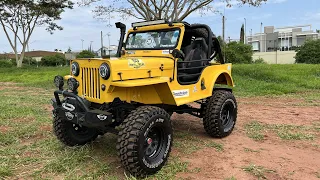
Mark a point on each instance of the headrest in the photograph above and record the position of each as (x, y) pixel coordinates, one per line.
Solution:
(200, 43)
(165, 41)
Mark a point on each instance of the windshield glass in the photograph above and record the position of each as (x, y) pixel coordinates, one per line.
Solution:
(165, 39)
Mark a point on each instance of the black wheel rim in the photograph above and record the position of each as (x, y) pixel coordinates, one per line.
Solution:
(227, 114)
(154, 144)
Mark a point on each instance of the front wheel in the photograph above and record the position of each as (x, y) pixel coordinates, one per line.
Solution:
(145, 140)
(73, 134)
(220, 114)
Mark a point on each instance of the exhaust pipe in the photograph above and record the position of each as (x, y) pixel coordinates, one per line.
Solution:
(122, 28)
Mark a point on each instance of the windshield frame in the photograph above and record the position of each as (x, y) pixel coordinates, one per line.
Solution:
(157, 30)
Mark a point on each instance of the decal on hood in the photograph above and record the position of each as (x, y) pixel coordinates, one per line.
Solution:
(135, 63)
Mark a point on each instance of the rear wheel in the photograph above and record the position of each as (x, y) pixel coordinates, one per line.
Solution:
(73, 134)
(220, 114)
(145, 140)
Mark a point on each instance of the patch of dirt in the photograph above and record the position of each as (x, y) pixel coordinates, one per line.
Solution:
(32, 139)
(10, 85)
(46, 128)
(278, 111)
(27, 90)
(285, 159)
(4, 129)
(24, 120)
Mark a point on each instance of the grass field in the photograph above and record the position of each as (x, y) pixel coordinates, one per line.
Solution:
(32, 76)
(256, 80)
(264, 79)
(28, 149)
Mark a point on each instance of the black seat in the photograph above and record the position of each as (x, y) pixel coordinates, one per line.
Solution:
(197, 50)
(165, 41)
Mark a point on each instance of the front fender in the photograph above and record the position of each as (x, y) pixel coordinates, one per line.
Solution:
(224, 78)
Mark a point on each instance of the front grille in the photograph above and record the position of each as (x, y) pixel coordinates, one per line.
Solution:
(90, 82)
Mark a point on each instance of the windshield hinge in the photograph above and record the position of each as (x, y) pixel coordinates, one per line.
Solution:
(149, 72)
(120, 74)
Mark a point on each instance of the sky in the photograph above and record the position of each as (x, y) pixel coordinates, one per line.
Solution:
(79, 23)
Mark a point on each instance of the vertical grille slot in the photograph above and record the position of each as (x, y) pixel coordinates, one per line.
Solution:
(90, 82)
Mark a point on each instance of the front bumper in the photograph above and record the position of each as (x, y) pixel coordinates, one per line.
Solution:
(77, 110)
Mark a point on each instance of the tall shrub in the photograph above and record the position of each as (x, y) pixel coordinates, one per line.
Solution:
(309, 52)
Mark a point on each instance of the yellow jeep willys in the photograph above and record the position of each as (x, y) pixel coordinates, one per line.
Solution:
(161, 68)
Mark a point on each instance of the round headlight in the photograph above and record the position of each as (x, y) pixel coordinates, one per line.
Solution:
(58, 82)
(75, 69)
(73, 84)
(104, 71)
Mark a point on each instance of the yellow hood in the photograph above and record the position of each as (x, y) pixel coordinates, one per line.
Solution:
(139, 67)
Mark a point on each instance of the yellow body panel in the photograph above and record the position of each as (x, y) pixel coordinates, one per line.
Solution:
(138, 77)
(149, 67)
(140, 82)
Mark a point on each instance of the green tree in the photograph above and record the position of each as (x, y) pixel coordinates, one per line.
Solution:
(174, 10)
(86, 54)
(55, 60)
(237, 52)
(221, 41)
(222, 44)
(309, 52)
(242, 34)
(19, 18)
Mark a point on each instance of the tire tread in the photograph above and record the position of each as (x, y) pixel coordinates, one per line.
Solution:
(212, 113)
(129, 134)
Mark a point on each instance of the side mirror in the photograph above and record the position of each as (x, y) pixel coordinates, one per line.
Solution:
(177, 54)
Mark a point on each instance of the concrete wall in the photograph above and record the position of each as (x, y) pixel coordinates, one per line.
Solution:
(272, 41)
(279, 57)
(71, 56)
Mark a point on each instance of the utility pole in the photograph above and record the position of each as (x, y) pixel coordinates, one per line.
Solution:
(101, 45)
(223, 28)
(223, 33)
(109, 43)
(223, 38)
(276, 42)
(261, 37)
(229, 39)
(91, 45)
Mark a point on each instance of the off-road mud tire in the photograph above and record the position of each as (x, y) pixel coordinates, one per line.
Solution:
(202, 32)
(214, 112)
(134, 132)
(66, 133)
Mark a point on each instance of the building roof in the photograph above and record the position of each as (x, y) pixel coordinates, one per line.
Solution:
(32, 54)
(41, 53)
